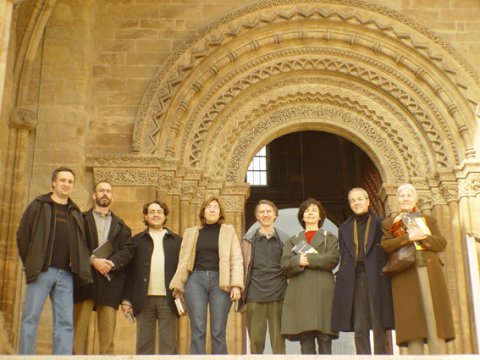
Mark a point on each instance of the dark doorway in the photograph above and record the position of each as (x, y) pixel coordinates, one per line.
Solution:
(315, 164)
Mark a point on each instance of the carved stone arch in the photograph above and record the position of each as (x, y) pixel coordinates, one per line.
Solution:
(372, 33)
(325, 118)
(298, 74)
(326, 103)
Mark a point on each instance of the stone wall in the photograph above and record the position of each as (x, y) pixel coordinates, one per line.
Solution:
(88, 76)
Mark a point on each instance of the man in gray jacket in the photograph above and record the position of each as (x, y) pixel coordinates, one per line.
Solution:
(51, 243)
(265, 281)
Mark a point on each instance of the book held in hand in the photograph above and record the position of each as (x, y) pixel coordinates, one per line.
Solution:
(104, 251)
(303, 247)
(181, 306)
(414, 221)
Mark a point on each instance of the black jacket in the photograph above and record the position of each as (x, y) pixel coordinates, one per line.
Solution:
(138, 273)
(380, 294)
(35, 241)
(101, 290)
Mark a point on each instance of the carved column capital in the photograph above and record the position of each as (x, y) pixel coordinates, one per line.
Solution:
(387, 194)
(22, 118)
(468, 176)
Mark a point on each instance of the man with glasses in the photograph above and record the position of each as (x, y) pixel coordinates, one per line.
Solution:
(147, 295)
(111, 247)
(363, 298)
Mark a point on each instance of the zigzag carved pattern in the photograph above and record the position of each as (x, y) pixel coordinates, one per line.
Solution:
(238, 154)
(387, 85)
(300, 99)
(246, 68)
(193, 52)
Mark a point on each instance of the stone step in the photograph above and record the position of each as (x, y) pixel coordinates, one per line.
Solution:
(242, 357)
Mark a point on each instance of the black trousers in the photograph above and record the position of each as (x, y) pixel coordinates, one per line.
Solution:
(365, 317)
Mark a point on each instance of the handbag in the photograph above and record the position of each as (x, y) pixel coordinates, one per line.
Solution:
(399, 261)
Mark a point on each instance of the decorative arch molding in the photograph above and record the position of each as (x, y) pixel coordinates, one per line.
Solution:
(319, 92)
(329, 118)
(424, 114)
(378, 39)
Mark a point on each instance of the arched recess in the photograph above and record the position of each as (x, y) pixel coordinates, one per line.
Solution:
(356, 69)
(22, 121)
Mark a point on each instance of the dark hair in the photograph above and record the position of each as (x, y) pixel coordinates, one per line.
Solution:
(305, 205)
(159, 203)
(60, 169)
(267, 202)
(207, 201)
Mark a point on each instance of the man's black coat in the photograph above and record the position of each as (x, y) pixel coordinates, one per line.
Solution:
(101, 290)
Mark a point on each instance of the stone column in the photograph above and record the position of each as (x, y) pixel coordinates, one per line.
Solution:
(6, 10)
(467, 221)
(63, 110)
(235, 196)
(64, 95)
(21, 123)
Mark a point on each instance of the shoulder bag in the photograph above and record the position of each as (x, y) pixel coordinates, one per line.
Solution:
(399, 261)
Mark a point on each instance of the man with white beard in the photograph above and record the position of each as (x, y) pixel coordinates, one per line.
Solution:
(104, 230)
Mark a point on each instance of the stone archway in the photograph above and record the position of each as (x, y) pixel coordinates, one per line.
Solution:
(352, 68)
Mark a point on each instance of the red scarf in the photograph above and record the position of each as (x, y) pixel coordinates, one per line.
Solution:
(398, 227)
(310, 234)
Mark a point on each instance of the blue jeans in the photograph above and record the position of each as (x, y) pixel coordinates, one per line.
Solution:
(58, 284)
(202, 290)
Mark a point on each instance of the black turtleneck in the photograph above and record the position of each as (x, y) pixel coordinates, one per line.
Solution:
(361, 228)
(206, 257)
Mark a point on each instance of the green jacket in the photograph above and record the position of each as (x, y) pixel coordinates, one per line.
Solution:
(308, 301)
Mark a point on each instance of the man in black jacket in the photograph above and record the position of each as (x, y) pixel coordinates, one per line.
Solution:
(51, 243)
(111, 247)
(363, 299)
(147, 293)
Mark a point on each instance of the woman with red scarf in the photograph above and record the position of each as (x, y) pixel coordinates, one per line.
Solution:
(308, 260)
(420, 296)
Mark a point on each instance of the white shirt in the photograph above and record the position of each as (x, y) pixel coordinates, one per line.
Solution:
(156, 285)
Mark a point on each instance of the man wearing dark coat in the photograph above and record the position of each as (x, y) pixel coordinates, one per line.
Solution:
(363, 298)
(51, 243)
(147, 295)
(265, 281)
(103, 230)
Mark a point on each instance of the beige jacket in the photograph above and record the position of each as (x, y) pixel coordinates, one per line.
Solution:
(230, 266)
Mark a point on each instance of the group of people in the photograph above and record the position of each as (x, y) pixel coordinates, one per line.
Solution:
(91, 262)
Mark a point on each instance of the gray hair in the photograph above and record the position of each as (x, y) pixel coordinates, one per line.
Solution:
(406, 186)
